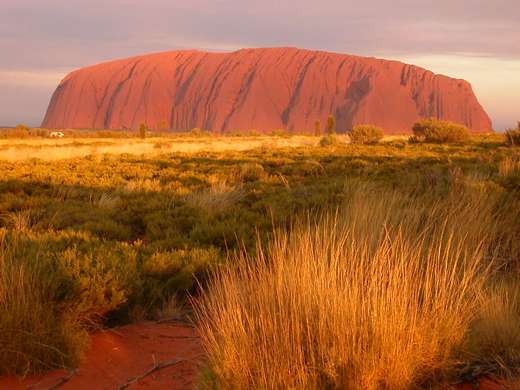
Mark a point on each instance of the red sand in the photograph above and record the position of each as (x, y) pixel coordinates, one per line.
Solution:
(117, 356)
(259, 89)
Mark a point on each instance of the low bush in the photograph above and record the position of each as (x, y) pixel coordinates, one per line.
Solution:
(249, 172)
(366, 134)
(329, 140)
(56, 287)
(439, 131)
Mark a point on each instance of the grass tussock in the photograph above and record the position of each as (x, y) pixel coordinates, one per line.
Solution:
(219, 198)
(33, 336)
(509, 167)
(513, 136)
(493, 346)
(380, 295)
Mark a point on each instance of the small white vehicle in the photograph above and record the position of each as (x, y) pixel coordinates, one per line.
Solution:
(56, 134)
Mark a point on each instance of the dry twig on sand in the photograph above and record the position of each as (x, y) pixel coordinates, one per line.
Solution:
(57, 385)
(156, 367)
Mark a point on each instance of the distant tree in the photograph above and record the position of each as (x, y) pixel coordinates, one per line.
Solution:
(331, 125)
(317, 128)
(21, 131)
(143, 128)
(22, 127)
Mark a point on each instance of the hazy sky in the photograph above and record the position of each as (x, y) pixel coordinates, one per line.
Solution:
(42, 40)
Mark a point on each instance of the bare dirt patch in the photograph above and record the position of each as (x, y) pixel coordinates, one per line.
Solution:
(139, 356)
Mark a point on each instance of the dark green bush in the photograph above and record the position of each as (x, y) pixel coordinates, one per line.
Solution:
(439, 131)
(250, 172)
(366, 134)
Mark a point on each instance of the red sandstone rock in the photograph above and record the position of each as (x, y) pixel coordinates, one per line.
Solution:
(259, 89)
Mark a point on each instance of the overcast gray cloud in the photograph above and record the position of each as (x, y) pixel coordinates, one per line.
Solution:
(50, 37)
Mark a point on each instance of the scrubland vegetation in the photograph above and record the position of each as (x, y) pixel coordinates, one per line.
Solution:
(366, 134)
(382, 293)
(439, 131)
(392, 265)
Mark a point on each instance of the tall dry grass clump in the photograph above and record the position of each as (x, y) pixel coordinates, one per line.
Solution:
(509, 166)
(217, 199)
(379, 295)
(513, 136)
(493, 345)
(33, 337)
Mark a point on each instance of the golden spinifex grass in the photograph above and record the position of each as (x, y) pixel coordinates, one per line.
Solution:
(493, 347)
(33, 337)
(380, 294)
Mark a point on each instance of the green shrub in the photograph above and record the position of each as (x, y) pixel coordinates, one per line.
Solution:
(366, 134)
(309, 168)
(513, 136)
(165, 273)
(329, 140)
(97, 280)
(439, 131)
(250, 172)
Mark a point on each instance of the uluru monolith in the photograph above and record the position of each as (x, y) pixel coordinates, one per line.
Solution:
(259, 89)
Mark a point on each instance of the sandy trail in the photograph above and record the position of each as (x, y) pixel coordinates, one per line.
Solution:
(116, 356)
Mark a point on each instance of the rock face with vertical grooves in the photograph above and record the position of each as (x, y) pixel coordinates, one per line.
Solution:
(259, 89)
